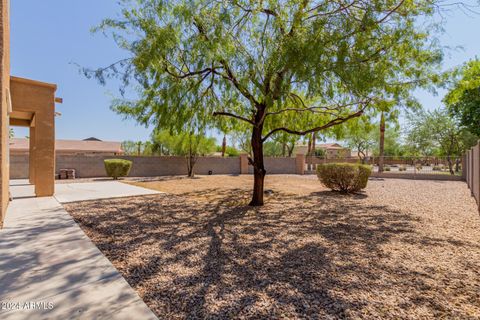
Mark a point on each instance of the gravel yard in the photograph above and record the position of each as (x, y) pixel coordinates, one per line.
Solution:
(402, 249)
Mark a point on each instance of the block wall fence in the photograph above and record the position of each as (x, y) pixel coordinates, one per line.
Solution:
(471, 171)
(90, 166)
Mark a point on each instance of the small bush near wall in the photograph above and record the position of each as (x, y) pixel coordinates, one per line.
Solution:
(117, 167)
(344, 177)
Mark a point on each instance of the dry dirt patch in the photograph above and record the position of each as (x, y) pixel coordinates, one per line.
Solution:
(403, 249)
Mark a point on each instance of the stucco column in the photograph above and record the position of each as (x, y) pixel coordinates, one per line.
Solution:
(44, 145)
(31, 156)
(244, 163)
(300, 164)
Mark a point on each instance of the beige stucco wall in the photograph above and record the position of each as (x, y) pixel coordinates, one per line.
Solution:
(4, 88)
(30, 96)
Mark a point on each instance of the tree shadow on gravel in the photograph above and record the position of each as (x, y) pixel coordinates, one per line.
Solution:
(318, 256)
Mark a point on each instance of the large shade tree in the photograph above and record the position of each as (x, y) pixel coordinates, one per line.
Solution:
(463, 99)
(292, 66)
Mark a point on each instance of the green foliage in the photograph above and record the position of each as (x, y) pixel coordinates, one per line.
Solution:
(387, 168)
(116, 168)
(436, 133)
(272, 149)
(344, 177)
(232, 152)
(402, 168)
(320, 152)
(361, 135)
(289, 60)
(139, 148)
(229, 151)
(437, 168)
(189, 145)
(463, 99)
(185, 144)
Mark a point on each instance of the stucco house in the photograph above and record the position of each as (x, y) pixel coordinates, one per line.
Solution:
(20, 146)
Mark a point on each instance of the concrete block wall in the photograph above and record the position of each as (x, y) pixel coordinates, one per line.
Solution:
(89, 166)
(280, 165)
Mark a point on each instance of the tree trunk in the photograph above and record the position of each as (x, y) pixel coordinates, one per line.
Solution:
(309, 153)
(314, 143)
(450, 165)
(381, 143)
(361, 155)
(290, 149)
(224, 145)
(258, 166)
(284, 149)
(191, 160)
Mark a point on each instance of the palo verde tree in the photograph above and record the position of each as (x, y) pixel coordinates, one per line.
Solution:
(316, 63)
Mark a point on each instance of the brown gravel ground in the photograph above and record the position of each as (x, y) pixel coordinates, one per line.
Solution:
(402, 249)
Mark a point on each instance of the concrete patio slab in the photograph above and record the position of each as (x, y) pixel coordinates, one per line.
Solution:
(45, 258)
(72, 192)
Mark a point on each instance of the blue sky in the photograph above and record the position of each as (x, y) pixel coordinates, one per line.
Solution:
(48, 36)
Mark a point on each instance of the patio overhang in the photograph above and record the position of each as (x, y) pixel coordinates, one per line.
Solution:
(33, 105)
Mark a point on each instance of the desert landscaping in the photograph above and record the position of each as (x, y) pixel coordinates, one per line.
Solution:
(400, 249)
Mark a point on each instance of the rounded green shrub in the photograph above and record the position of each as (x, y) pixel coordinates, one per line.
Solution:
(387, 169)
(117, 167)
(402, 168)
(344, 177)
(437, 168)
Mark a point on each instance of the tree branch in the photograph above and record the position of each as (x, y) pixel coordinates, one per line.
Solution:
(228, 114)
(331, 123)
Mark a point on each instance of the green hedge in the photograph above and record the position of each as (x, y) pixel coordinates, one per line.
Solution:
(344, 177)
(117, 167)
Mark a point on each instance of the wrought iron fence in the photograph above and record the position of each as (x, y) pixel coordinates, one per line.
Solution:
(400, 165)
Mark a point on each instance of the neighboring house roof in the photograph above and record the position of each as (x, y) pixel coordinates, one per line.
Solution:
(22, 144)
(329, 146)
(326, 146)
(92, 139)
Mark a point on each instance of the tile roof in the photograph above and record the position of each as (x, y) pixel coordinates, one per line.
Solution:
(22, 144)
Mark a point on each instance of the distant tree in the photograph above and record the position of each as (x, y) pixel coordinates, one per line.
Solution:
(272, 149)
(130, 147)
(463, 99)
(393, 142)
(287, 141)
(278, 66)
(360, 136)
(189, 145)
(229, 151)
(437, 133)
(319, 152)
(419, 135)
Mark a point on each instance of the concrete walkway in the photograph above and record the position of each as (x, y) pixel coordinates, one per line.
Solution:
(71, 192)
(49, 269)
